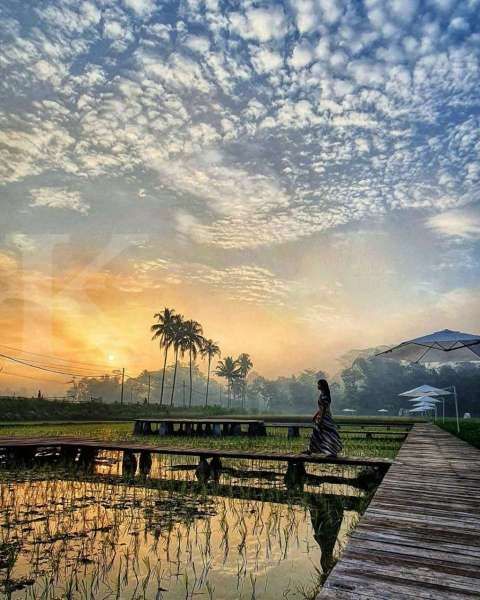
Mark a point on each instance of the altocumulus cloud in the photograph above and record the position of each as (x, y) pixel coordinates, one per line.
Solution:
(275, 121)
(58, 198)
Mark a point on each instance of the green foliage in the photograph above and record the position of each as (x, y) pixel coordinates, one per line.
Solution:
(294, 395)
(374, 383)
(32, 409)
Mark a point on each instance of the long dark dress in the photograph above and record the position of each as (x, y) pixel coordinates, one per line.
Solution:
(325, 438)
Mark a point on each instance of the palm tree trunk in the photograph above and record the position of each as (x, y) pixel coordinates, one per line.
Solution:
(190, 397)
(174, 377)
(208, 380)
(163, 376)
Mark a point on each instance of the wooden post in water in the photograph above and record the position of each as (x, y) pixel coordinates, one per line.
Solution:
(145, 462)
(129, 463)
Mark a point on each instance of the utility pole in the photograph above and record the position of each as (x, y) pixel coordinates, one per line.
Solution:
(148, 395)
(123, 380)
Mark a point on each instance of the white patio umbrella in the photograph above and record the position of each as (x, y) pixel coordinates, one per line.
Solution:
(349, 410)
(428, 390)
(421, 408)
(382, 410)
(425, 400)
(425, 390)
(440, 347)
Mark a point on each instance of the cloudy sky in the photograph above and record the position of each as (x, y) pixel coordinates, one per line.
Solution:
(301, 176)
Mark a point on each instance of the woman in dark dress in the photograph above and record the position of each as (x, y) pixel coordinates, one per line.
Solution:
(325, 438)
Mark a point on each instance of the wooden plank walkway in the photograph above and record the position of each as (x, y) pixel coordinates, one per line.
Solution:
(420, 536)
(9, 442)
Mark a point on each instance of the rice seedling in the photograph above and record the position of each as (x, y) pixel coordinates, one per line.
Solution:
(107, 529)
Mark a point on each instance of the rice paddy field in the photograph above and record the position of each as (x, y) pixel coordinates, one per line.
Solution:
(353, 445)
(101, 531)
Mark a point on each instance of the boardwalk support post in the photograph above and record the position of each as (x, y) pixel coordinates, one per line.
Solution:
(87, 457)
(68, 454)
(129, 464)
(145, 462)
(295, 475)
(203, 470)
(215, 468)
(293, 432)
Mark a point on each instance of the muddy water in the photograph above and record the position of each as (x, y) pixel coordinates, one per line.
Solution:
(72, 535)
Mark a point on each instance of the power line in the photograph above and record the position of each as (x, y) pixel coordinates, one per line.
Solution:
(80, 371)
(34, 378)
(56, 358)
(33, 366)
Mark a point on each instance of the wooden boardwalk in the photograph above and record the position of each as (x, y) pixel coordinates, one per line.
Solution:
(420, 536)
(267, 455)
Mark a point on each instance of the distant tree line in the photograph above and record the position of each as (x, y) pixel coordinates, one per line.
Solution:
(367, 385)
(371, 384)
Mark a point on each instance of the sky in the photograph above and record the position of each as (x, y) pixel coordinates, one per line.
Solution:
(302, 177)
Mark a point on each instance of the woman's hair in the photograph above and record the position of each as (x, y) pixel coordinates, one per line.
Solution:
(324, 387)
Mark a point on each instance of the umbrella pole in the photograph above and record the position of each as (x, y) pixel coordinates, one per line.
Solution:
(456, 407)
(443, 408)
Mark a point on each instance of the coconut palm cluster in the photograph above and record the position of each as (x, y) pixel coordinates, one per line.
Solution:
(185, 337)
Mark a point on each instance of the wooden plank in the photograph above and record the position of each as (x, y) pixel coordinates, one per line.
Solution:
(420, 536)
(354, 461)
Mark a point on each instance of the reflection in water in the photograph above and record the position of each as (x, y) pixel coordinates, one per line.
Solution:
(326, 513)
(101, 533)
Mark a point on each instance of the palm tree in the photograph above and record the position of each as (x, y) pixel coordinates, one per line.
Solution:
(245, 364)
(193, 342)
(229, 369)
(209, 350)
(163, 330)
(179, 345)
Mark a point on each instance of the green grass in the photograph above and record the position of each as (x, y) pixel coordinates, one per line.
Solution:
(469, 430)
(275, 440)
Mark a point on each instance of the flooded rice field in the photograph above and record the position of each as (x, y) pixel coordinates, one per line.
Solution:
(106, 531)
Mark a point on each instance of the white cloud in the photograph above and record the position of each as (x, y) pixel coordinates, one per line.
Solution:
(179, 71)
(245, 283)
(20, 241)
(140, 7)
(459, 24)
(113, 30)
(307, 17)
(58, 198)
(302, 56)
(456, 223)
(404, 10)
(331, 10)
(265, 60)
(198, 43)
(261, 24)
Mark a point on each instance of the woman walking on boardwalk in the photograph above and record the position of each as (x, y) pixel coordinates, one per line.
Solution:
(325, 438)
